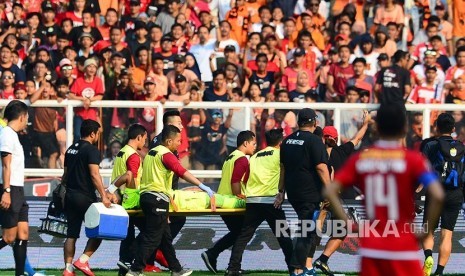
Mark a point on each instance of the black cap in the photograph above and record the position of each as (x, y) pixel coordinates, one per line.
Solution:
(179, 58)
(48, 7)
(51, 31)
(62, 35)
(21, 24)
(117, 54)
(134, 3)
(383, 56)
(299, 52)
(140, 25)
(166, 38)
(229, 48)
(306, 115)
(180, 78)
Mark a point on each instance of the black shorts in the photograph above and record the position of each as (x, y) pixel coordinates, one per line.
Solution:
(451, 209)
(18, 211)
(76, 205)
(47, 142)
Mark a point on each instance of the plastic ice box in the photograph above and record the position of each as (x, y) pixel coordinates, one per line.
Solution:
(106, 223)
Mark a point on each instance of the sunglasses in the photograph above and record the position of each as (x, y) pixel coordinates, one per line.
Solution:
(8, 77)
(214, 116)
(430, 53)
(68, 67)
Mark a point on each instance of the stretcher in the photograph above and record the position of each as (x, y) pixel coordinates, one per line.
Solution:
(194, 202)
(200, 212)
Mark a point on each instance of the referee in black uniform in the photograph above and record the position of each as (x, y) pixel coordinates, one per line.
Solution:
(14, 208)
(304, 161)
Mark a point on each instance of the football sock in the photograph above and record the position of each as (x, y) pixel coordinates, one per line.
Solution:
(2, 243)
(69, 267)
(428, 253)
(20, 253)
(84, 258)
(323, 258)
(439, 270)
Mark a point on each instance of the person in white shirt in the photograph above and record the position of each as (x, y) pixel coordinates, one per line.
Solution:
(14, 209)
(202, 53)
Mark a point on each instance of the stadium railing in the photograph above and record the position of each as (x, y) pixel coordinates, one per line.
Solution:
(425, 109)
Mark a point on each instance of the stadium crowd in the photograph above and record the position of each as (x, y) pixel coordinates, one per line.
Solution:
(257, 51)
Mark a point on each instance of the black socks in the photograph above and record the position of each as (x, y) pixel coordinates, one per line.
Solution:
(2, 243)
(439, 270)
(323, 258)
(20, 252)
(428, 253)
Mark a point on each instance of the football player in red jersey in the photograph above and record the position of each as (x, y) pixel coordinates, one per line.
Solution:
(388, 175)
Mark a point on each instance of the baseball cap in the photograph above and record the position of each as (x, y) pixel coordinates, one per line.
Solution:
(20, 86)
(383, 56)
(431, 52)
(140, 25)
(306, 115)
(90, 61)
(149, 80)
(47, 6)
(341, 37)
(21, 24)
(64, 62)
(117, 54)
(86, 35)
(52, 31)
(179, 58)
(180, 78)
(330, 132)
(229, 48)
(166, 38)
(299, 52)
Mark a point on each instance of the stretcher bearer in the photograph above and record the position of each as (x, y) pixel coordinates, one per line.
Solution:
(234, 173)
(265, 194)
(158, 169)
(125, 177)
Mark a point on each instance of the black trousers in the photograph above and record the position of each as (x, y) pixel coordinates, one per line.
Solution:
(304, 243)
(127, 248)
(234, 224)
(176, 224)
(255, 214)
(156, 234)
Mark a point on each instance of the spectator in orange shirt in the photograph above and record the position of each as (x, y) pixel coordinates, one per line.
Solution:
(290, 35)
(389, 12)
(317, 36)
(239, 18)
(445, 27)
(252, 8)
(111, 19)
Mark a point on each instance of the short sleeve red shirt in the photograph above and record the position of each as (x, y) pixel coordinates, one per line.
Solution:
(81, 88)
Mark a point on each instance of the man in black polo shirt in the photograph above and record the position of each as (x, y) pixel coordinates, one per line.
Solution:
(304, 160)
(337, 157)
(82, 178)
(393, 83)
